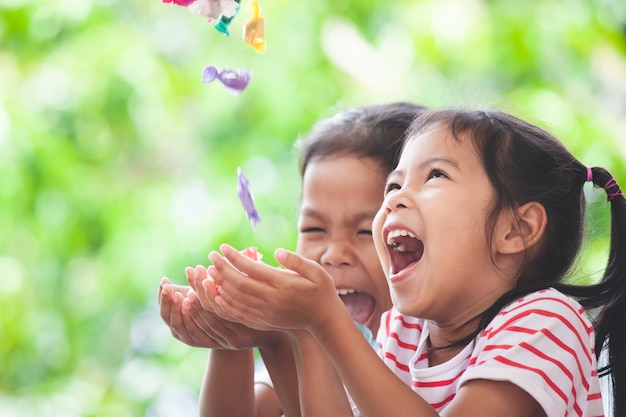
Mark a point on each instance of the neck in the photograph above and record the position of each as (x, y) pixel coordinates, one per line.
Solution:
(442, 340)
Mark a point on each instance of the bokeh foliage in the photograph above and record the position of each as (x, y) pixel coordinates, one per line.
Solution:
(117, 166)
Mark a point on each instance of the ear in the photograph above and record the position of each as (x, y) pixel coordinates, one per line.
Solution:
(522, 231)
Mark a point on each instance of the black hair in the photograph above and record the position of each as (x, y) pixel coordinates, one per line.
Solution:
(525, 163)
(371, 131)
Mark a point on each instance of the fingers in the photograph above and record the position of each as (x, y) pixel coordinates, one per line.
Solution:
(198, 325)
(246, 289)
(190, 274)
(165, 302)
(265, 297)
(305, 267)
(246, 298)
(200, 275)
(164, 281)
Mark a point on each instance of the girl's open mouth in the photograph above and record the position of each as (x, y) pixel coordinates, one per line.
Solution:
(405, 249)
(359, 304)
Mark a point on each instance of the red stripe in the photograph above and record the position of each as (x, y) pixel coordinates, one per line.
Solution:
(594, 396)
(539, 372)
(399, 365)
(580, 313)
(440, 404)
(407, 324)
(508, 327)
(402, 344)
(496, 347)
(557, 341)
(441, 383)
(563, 369)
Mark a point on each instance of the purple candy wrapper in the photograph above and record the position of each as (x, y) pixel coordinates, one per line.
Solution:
(235, 80)
(243, 190)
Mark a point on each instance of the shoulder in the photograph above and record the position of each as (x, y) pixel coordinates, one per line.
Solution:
(545, 311)
(544, 344)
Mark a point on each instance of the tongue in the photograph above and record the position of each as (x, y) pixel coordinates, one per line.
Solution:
(359, 305)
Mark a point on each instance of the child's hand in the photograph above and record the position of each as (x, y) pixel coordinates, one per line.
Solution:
(265, 297)
(171, 300)
(196, 326)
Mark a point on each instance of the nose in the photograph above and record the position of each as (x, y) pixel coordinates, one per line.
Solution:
(337, 253)
(394, 201)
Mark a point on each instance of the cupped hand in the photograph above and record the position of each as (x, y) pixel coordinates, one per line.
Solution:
(300, 297)
(194, 325)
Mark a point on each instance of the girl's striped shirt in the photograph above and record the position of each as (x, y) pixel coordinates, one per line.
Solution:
(543, 343)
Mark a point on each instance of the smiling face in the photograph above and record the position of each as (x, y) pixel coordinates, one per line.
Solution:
(340, 197)
(430, 233)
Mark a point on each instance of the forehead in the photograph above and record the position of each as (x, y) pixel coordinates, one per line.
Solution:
(343, 169)
(436, 142)
(345, 183)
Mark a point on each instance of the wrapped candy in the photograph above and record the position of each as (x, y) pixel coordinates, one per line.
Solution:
(183, 3)
(224, 22)
(234, 80)
(245, 196)
(252, 253)
(214, 9)
(211, 9)
(254, 30)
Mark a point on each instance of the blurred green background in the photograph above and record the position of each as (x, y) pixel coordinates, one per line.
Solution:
(118, 167)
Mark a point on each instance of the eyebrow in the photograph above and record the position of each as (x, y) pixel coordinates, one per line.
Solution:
(436, 159)
(361, 216)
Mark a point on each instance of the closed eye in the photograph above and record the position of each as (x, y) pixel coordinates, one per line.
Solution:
(365, 232)
(312, 230)
(392, 186)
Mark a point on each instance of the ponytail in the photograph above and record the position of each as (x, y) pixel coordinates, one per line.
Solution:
(608, 297)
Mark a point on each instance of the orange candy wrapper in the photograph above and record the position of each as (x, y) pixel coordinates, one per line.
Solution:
(254, 29)
(252, 253)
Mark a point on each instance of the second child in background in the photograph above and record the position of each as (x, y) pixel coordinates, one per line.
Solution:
(344, 161)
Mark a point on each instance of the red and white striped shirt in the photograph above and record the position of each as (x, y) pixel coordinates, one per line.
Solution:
(543, 343)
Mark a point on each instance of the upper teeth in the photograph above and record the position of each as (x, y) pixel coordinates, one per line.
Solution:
(398, 232)
(345, 291)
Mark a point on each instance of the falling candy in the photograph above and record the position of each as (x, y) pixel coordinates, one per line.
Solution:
(183, 3)
(235, 81)
(211, 9)
(252, 253)
(224, 22)
(254, 30)
(246, 199)
(214, 9)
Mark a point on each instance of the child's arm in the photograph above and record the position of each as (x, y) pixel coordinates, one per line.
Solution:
(274, 347)
(229, 387)
(318, 379)
(304, 298)
(279, 361)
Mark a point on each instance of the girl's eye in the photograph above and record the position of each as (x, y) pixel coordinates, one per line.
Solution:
(365, 233)
(436, 173)
(391, 187)
(312, 230)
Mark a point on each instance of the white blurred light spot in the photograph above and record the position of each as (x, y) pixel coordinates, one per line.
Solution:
(12, 275)
(192, 204)
(453, 21)
(380, 69)
(141, 379)
(49, 87)
(51, 208)
(174, 402)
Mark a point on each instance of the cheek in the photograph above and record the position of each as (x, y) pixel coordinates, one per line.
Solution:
(307, 249)
(377, 234)
(377, 226)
